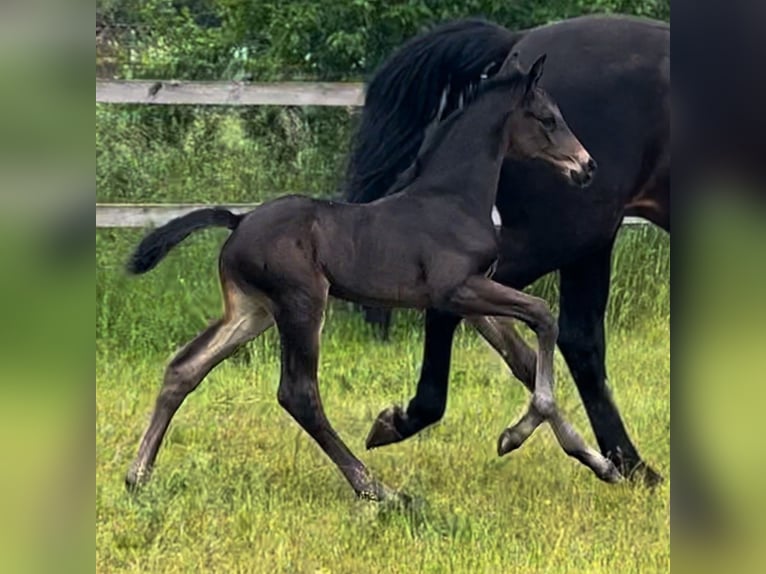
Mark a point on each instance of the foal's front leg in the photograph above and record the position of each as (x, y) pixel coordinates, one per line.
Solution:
(299, 330)
(502, 336)
(482, 296)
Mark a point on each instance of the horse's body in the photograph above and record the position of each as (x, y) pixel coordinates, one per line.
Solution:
(610, 76)
(285, 258)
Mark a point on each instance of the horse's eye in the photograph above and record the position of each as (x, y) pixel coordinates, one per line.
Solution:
(548, 123)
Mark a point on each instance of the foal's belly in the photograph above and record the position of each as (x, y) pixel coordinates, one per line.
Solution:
(402, 254)
(383, 278)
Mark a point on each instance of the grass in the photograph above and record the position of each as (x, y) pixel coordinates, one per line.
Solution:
(240, 488)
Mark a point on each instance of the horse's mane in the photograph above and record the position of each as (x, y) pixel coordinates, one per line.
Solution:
(431, 71)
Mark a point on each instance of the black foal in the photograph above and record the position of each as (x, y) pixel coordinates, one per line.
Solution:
(285, 258)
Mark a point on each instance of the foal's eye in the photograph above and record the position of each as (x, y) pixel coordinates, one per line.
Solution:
(548, 123)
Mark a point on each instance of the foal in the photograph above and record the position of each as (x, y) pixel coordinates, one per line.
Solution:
(286, 257)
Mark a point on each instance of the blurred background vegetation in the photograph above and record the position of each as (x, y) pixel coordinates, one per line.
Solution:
(209, 154)
(235, 154)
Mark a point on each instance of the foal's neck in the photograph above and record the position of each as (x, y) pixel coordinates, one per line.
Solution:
(466, 161)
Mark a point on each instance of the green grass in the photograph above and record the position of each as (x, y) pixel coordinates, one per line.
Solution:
(240, 488)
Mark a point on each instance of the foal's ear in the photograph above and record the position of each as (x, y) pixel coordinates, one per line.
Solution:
(536, 72)
(510, 64)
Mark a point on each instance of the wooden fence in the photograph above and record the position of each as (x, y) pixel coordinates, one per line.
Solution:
(154, 92)
(171, 92)
(153, 214)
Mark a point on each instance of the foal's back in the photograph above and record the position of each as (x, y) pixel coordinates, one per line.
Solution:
(393, 251)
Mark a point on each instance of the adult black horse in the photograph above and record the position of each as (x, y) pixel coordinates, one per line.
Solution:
(611, 77)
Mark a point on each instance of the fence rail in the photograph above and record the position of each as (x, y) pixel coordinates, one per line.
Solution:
(133, 215)
(167, 92)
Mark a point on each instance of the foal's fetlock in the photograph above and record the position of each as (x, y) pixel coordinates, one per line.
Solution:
(609, 473)
(544, 405)
(376, 491)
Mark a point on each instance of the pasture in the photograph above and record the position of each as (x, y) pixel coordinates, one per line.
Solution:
(240, 488)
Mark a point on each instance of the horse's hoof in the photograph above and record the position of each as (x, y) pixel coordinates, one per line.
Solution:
(644, 474)
(508, 442)
(384, 429)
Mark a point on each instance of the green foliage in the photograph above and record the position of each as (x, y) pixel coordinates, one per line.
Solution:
(221, 155)
(209, 154)
(327, 40)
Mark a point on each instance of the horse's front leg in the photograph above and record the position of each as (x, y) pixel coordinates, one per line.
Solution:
(584, 294)
(427, 407)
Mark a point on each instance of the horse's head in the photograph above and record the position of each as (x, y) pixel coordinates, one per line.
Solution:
(537, 128)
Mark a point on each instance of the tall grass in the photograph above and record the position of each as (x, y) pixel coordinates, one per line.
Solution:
(158, 311)
(214, 154)
(222, 155)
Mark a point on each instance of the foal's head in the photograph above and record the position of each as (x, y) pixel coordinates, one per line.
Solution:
(537, 128)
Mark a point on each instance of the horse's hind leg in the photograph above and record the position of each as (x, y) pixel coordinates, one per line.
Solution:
(481, 296)
(244, 320)
(501, 334)
(299, 320)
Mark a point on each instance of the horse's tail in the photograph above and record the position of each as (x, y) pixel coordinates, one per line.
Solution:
(157, 244)
(409, 89)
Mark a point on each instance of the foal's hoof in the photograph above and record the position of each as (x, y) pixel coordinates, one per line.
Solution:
(384, 430)
(609, 473)
(136, 477)
(379, 492)
(508, 442)
(644, 474)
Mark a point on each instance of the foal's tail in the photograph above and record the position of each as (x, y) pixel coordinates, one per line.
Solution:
(155, 246)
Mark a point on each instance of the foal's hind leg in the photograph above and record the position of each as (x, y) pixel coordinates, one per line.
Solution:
(482, 296)
(299, 320)
(501, 334)
(244, 320)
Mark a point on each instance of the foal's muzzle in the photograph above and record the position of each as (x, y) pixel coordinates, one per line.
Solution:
(584, 175)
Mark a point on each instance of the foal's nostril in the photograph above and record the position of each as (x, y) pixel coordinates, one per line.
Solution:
(582, 177)
(591, 165)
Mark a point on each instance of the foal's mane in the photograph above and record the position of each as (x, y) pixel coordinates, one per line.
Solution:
(441, 125)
